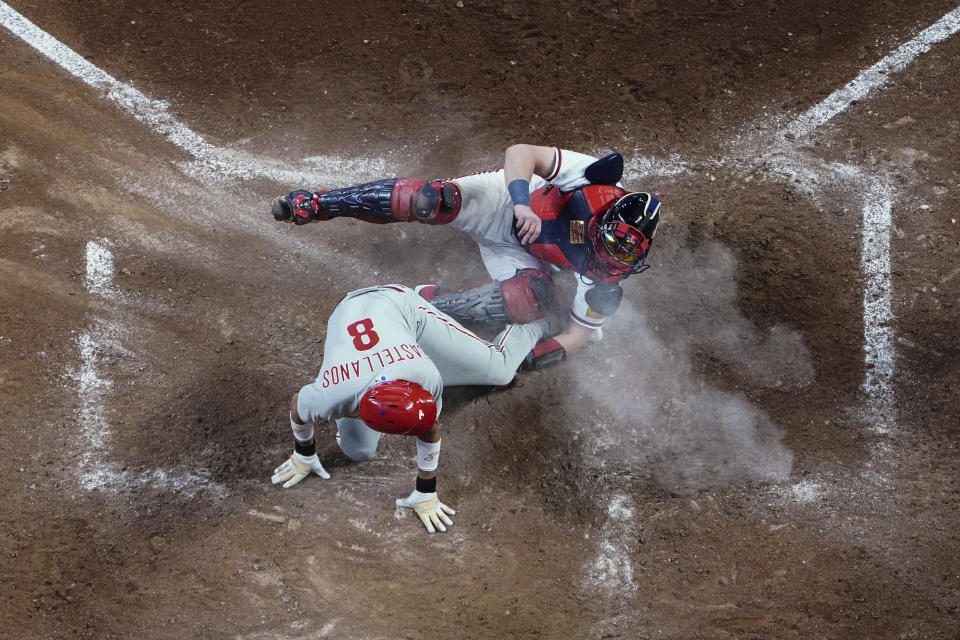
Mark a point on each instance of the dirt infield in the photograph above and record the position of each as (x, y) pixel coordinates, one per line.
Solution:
(764, 445)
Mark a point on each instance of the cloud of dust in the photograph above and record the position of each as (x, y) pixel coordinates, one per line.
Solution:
(657, 408)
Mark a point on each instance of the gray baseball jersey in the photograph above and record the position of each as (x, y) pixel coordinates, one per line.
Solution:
(391, 333)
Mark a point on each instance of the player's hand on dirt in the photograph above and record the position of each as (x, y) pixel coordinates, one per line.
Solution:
(296, 468)
(433, 513)
(528, 223)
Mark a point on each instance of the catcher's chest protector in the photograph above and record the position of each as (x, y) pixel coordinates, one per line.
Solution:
(565, 216)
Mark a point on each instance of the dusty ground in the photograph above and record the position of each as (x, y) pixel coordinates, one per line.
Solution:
(711, 469)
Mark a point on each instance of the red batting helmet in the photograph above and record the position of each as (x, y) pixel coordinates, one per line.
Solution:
(622, 234)
(398, 406)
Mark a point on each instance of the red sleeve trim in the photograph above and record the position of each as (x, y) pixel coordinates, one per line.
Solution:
(557, 160)
(589, 324)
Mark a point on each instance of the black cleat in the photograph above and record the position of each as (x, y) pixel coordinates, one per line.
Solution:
(297, 206)
(282, 209)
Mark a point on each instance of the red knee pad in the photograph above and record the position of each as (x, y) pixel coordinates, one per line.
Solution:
(528, 295)
(436, 202)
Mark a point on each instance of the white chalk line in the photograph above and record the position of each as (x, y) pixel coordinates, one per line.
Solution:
(210, 162)
(878, 314)
(876, 210)
(874, 76)
(878, 197)
(878, 200)
(611, 569)
(93, 390)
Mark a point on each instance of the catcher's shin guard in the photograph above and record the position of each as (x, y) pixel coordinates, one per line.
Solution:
(383, 201)
(523, 298)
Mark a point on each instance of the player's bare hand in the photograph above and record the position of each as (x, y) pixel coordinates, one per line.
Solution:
(528, 223)
(433, 513)
(296, 468)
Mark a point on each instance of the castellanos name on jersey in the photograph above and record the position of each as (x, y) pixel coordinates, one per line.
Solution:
(343, 371)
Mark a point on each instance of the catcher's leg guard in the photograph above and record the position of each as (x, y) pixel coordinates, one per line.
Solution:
(383, 201)
(523, 298)
(436, 202)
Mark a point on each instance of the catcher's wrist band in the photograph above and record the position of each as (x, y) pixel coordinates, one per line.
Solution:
(427, 486)
(307, 448)
(519, 191)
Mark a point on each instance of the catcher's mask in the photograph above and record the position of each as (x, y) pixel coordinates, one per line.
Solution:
(621, 236)
(398, 407)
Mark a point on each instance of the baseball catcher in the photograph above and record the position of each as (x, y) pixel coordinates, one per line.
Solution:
(548, 209)
(387, 356)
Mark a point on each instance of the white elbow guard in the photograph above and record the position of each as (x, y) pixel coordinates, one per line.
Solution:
(301, 432)
(428, 455)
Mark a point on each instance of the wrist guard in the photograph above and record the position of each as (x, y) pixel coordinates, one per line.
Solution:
(428, 455)
(427, 485)
(519, 191)
(546, 354)
(307, 448)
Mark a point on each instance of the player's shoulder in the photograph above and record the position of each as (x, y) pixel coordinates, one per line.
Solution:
(383, 288)
(570, 169)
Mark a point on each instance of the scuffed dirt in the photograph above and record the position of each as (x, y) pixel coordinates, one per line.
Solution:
(703, 472)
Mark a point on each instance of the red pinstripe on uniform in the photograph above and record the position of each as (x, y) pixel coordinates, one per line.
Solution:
(462, 330)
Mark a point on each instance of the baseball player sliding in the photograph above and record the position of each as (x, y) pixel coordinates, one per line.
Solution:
(547, 209)
(387, 356)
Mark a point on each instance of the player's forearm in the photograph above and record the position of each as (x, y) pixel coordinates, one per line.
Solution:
(304, 460)
(302, 429)
(573, 338)
(551, 351)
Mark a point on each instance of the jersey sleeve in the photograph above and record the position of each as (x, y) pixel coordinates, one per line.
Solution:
(580, 312)
(568, 169)
(314, 402)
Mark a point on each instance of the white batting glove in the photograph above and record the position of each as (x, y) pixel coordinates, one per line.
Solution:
(433, 513)
(296, 468)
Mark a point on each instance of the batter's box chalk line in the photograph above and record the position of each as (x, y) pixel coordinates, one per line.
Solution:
(211, 162)
(94, 390)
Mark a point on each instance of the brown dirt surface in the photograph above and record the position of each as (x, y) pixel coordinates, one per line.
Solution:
(714, 468)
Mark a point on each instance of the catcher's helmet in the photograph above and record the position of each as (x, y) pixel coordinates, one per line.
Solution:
(399, 407)
(620, 237)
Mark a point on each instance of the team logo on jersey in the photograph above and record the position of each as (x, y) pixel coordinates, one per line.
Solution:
(576, 231)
